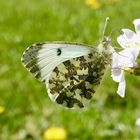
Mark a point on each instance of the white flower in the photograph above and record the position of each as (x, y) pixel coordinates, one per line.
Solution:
(126, 59)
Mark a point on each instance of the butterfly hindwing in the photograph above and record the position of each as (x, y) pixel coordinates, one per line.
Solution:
(73, 82)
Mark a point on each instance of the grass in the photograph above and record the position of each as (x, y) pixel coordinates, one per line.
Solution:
(28, 110)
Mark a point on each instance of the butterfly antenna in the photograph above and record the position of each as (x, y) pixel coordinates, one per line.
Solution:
(105, 26)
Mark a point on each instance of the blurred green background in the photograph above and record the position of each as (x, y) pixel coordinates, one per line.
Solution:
(28, 112)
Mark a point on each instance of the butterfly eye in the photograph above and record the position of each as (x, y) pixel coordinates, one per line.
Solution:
(58, 51)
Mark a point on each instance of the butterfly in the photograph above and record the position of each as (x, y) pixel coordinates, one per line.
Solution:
(70, 71)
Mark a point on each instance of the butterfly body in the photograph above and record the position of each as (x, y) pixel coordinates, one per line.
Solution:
(70, 71)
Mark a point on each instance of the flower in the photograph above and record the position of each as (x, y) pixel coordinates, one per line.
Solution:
(55, 133)
(128, 59)
(94, 4)
(2, 109)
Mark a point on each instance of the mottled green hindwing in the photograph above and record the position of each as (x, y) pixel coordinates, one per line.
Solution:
(73, 82)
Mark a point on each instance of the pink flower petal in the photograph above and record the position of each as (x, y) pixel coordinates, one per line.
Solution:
(122, 41)
(116, 75)
(121, 87)
(129, 35)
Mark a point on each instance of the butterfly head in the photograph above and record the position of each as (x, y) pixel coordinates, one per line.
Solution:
(104, 46)
(105, 42)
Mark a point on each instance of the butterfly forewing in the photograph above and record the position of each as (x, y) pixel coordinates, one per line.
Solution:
(40, 59)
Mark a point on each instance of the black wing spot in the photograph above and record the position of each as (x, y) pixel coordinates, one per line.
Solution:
(59, 51)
